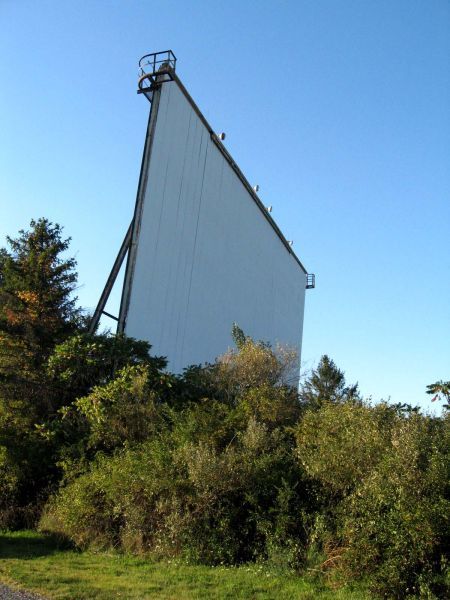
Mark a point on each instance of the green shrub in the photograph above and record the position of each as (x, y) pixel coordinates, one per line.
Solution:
(83, 512)
(84, 361)
(383, 479)
(396, 524)
(122, 411)
(221, 498)
(253, 365)
(340, 444)
(224, 464)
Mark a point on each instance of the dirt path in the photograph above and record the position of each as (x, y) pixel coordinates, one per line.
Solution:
(7, 593)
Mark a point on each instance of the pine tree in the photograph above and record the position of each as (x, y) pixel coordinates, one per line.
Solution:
(326, 384)
(37, 307)
(37, 311)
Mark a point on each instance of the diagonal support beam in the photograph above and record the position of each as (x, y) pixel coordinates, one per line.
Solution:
(111, 279)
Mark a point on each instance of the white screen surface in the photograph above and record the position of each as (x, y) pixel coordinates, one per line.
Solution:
(206, 256)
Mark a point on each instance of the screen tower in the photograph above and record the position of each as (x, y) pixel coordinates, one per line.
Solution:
(202, 250)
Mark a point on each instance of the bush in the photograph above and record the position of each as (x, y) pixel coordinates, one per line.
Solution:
(124, 411)
(84, 361)
(397, 523)
(383, 478)
(83, 512)
(228, 463)
(340, 444)
(254, 365)
(212, 484)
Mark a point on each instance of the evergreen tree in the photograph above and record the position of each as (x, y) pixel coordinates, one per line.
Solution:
(326, 384)
(37, 307)
(36, 289)
(37, 311)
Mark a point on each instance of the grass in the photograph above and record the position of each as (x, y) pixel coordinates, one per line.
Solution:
(33, 561)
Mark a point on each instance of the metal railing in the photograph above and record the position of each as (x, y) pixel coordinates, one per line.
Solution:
(151, 64)
(310, 281)
(155, 68)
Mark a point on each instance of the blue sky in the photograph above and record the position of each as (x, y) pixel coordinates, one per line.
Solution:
(338, 109)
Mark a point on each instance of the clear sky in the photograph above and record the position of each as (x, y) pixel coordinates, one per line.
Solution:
(338, 109)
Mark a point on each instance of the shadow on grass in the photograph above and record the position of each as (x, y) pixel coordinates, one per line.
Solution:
(28, 545)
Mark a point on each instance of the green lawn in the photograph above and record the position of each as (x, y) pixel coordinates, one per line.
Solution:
(31, 561)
